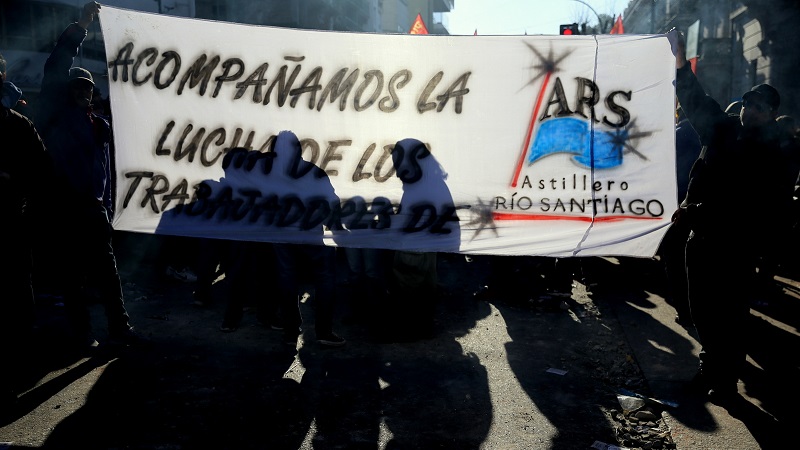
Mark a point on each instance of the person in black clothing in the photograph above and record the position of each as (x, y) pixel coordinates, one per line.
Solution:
(23, 168)
(249, 274)
(79, 142)
(770, 264)
(673, 246)
(316, 261)
(737, 207)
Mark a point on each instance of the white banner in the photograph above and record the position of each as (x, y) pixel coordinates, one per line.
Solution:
(533, 145)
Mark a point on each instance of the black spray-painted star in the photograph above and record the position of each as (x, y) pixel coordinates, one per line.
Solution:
(622, 137)
(546, 65)
(483, 217)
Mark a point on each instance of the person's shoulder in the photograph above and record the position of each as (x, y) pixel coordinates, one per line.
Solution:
(730, 122)
(102, 119)
(18, 118)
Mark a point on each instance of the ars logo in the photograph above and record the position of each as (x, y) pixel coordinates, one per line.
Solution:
(594, 142)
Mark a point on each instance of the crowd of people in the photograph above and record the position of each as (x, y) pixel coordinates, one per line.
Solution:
(72, 123)
(722, 231)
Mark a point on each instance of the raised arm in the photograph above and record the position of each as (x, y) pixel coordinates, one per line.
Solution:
(56, 68)
(702, 111)
(680, 53)
(90, 11)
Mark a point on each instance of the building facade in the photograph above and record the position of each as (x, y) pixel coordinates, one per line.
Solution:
(739, 43)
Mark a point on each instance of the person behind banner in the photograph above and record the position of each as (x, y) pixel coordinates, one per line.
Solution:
(673, 246)
(408, 311)
(736, 207)
(79, 141)
(295, 261)
(24, 166)
(249, 279)
(366, 273)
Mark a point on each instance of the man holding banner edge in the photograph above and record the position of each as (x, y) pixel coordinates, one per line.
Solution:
(79, 142)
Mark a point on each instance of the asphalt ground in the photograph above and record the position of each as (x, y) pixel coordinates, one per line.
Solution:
(536, 366)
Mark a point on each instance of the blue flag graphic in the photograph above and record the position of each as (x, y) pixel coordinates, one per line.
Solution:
(570, 135)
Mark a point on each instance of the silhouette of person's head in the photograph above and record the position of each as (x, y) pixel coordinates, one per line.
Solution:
(427, 210)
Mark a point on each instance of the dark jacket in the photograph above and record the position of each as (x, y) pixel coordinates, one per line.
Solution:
(77, 140)
(737, 190)
(687, 149)
(24, 168)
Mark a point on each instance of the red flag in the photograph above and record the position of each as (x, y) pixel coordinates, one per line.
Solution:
(418, 27)
(618, 28)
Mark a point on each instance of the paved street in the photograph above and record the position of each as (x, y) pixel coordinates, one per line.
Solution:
(519, 372)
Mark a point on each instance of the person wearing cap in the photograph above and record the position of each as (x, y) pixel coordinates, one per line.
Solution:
(736, 206)
(79, 143)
